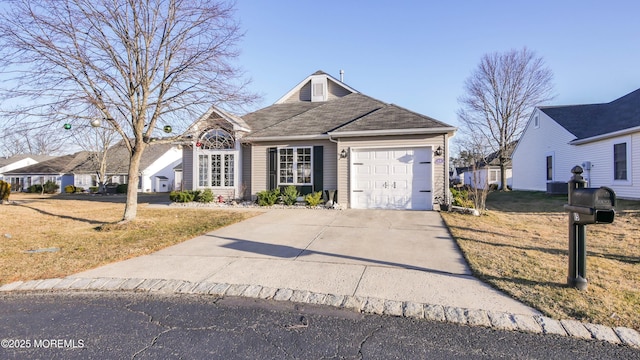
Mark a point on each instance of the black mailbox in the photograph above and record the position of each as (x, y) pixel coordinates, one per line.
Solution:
(592, 205)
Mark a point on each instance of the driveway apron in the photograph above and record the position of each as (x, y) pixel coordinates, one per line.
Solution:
(386, 254)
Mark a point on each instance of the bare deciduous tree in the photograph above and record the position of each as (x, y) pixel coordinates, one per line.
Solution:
(500, 94)
(33, 142)
(143, 64)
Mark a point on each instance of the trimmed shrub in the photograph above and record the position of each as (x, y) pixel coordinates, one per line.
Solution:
(313, 199)
(94, 189)
(182, 196)
(35, 188)
(5, 191)
(79, 189)
(69, 189)
(206, 196)
(268, 197)
(290, 195)
(461, 198)
(122, 188)
(51, 187)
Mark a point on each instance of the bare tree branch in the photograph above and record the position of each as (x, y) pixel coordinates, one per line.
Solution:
(499, 95)
(141, 64)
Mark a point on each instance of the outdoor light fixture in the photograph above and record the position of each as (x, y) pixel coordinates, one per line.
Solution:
(343, 154)
(438, 151)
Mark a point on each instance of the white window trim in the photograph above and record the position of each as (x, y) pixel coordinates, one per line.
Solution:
(553, 166)
(208, 154)
(629, 180)
(295, 165)
(536, 121)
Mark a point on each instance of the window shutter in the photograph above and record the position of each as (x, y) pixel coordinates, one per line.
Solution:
(272, 167)
(318, 164)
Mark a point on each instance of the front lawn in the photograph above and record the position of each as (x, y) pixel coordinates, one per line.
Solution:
(520, 246)
(54, 236)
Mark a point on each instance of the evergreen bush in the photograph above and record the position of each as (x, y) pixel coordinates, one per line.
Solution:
(290, 195)
(268, 197)
(206, 196)
(5, 191)
(313, 199)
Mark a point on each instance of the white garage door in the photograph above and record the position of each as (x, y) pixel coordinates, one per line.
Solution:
(392, 179)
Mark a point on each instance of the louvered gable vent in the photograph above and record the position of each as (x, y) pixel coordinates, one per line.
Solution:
(318, 88)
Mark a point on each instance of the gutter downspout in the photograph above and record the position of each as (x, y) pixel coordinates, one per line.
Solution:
(337, 142)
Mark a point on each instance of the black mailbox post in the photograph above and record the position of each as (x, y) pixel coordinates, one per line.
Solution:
(586, 206)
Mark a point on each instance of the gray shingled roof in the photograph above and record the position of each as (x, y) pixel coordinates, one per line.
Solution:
(391, 117)
(353, 112)
(15, 158)
(57, 165)
(81, 162)
(586, 121)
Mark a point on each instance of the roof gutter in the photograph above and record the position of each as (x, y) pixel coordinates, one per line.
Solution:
(605, 136)
(286, 138)
(438, 130)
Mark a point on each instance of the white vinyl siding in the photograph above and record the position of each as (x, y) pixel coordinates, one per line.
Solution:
(529, 158)
(620, 161)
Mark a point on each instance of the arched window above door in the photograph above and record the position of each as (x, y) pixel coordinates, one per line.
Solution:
(217, 139)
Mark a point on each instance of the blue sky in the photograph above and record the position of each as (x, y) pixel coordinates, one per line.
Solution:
(417, 54)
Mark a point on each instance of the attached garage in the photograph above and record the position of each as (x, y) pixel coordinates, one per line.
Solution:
(392, 178)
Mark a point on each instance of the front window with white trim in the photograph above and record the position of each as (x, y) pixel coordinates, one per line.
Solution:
(294, 165)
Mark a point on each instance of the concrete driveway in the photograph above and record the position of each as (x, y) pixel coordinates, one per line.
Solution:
(394, 255)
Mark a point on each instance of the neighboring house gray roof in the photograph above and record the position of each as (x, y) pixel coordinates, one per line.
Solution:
(118, 159)
(586, 121)
(353, 112)
(57, 165)
(4, 161)
(83, 162)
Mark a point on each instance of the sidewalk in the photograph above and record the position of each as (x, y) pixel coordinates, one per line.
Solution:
(400, 263)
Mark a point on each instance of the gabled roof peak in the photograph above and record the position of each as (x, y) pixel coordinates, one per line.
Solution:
(329, 86)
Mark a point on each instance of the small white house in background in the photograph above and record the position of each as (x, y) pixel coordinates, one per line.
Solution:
(16, 162)
(80, 169)
(602, 138)
(487, 172)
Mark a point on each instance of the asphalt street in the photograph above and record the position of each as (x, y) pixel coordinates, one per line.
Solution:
(144, 326)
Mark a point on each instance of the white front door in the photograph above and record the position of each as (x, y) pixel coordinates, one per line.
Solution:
(392, 179)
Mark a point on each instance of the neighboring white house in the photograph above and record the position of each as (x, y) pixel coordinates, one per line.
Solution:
(602, 138)
(485, 176)
(487, 172)
(18, 161)
(159, 174)
(80, 169)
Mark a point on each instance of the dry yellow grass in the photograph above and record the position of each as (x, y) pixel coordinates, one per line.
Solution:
(525, 254)
(86, 234)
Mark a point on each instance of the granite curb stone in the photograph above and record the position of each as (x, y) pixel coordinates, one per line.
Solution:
(472, 317)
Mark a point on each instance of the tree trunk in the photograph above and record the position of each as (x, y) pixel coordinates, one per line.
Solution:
(503, 175)
(131, 206)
